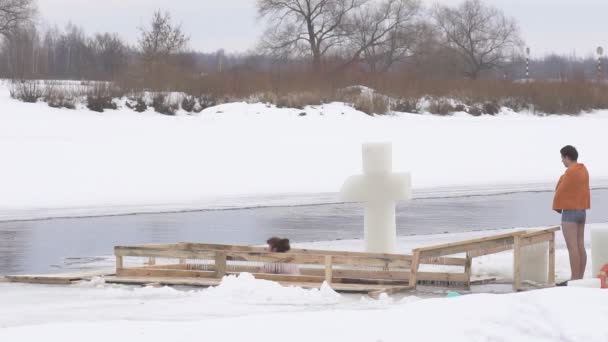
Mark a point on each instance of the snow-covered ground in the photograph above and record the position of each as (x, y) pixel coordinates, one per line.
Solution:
(59, 162)
(246, 309)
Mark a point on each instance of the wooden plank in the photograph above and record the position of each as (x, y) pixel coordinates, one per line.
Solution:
(119, 262)
(328, 269)
(386, 263)
(473, 241)
(163, 281)
(46, 280)
(238, 248)
(220, 264)
(487, 245)
(358, 274)
(467, 271)
(54, 279)
(516, 263)
(487, 251)
(287, 258)
(533, 232)
(551, 277)
(447, 261)
(536, 239)
(440, 277)
(153, 272)
(162, 253)
(414, 268)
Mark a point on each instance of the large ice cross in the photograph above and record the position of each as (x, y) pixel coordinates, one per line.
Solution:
(379, 188)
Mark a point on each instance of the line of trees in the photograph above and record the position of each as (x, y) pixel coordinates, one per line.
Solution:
(330, 37)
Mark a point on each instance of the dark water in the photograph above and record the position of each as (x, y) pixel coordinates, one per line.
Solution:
(42, 246)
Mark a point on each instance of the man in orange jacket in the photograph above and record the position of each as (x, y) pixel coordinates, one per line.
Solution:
(572, 199)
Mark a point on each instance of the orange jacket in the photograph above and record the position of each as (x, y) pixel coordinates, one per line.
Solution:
(572, 191)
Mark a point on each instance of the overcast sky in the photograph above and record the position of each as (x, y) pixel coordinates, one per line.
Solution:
(562, 26)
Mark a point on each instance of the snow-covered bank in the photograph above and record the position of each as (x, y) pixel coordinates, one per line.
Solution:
(245, 309)
(78, 163)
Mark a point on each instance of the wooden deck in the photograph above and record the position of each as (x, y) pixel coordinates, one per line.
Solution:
(196, 264)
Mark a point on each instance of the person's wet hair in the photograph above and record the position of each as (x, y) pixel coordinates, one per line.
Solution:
(278, 245)
(569, 152)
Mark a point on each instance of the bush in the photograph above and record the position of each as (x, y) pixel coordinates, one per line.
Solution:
(491, 108)
(406, 106)
(374, 104)
(162, 104)
(460, 108)
(206, 101)
(189, 103)
(29, 91)
(101, 97)
(137, 104)
(475, 110)
(441, 107)
(57, 95)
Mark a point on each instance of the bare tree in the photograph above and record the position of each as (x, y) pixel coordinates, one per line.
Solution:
(308, 28)
(14, 13)
(110, 54)
(162, 38)
(381, 34)
(482, 35)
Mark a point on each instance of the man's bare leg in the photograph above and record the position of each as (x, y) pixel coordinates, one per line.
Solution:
(570, 235)
(580, 231)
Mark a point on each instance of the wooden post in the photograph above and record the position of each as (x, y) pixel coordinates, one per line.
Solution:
(467, 271)
(414, 269)
(328, 269)
(220, 264)
(119, 262)
(151, 261)
(516, 263)
(551, 277)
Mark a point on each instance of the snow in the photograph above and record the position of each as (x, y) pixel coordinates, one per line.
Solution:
(59, 162)
(245, 309)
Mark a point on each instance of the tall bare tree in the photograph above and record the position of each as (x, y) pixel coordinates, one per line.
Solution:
(481, 34)
(305, 27)
(14, 13)
(110, 54)
(162, 38)
(381, 34)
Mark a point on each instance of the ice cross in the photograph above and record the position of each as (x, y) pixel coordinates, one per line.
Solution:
(379, 188)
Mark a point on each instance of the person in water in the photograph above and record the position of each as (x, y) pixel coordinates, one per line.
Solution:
(572, 200)
(278, 245)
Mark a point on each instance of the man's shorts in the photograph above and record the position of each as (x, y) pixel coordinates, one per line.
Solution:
(574, 216)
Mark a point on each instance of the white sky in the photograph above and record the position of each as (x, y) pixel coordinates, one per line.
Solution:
(562, 26)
